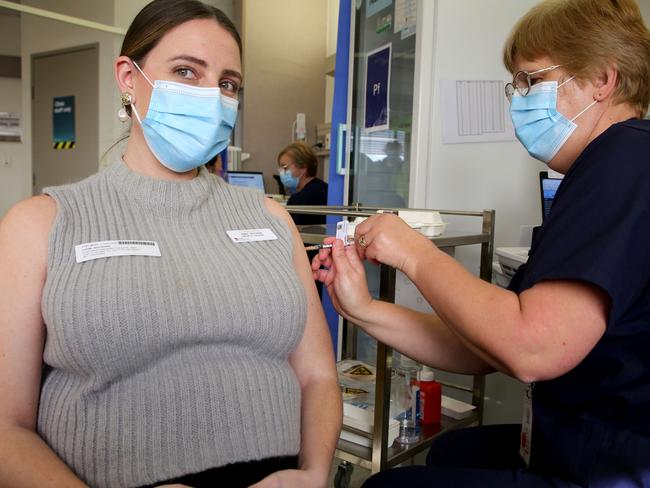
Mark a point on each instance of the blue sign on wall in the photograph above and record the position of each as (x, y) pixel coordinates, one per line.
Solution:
(377, 89)
(63, 136)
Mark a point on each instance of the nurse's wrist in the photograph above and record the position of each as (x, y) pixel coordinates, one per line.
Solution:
(421, 253)
(367, 313)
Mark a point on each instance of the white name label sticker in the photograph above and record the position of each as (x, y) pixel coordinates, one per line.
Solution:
(251, 235)
(107, 249)
(342, 231)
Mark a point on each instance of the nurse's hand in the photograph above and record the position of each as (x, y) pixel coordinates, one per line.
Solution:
(290, 478)
(344, 278)
(386, 238)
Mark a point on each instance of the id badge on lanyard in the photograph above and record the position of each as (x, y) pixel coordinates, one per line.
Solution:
(527, 425)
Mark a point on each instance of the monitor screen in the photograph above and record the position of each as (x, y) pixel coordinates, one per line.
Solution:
(548, 187)
(249, 179)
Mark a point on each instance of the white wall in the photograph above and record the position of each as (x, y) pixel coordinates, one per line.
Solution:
(469, 38)
(124, 12)
(284, 62)
(10, 90)
(332, 26)
(465, 40)
(38, 35)
(645, 10)
(41, 35)
(9, 34)
(330, 50)
(27, 35)
(96, 11)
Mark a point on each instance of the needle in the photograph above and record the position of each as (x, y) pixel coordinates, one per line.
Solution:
(316, 247)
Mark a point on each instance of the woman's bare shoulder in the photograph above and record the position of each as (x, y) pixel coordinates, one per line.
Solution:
(278, 210)
(29, 221)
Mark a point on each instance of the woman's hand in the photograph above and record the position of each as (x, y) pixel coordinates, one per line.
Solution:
(322, 266)
(291, 478)
(345, 279)
(386, 238)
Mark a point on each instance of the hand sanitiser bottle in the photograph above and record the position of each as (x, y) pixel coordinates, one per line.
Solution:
(407, 388)
(430, 397)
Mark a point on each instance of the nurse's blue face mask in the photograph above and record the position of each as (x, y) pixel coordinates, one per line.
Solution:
(538, 125)
(186, 126)
(288, 180)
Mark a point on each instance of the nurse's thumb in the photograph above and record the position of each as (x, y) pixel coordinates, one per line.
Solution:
(338, 253)
(353, 257)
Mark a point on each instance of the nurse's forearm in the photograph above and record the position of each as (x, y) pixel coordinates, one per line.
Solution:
(540, 334)
(421, 336)
(480, 314)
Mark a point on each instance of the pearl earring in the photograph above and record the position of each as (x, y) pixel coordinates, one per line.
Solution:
(122, 114)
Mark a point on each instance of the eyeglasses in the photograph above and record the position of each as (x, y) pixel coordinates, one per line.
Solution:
(521, 82)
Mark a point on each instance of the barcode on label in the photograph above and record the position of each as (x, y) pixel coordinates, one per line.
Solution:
(137, 243)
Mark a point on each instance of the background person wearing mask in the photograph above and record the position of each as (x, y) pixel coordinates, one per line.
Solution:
(215, 166)
(575, 323)
(297, 166)
(170, 353)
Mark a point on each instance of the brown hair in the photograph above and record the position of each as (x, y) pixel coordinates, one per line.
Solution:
(586, 37)
(160, 16)
(303, 156)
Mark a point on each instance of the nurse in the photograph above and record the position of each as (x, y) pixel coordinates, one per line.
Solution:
(158, 325)
(575, 324)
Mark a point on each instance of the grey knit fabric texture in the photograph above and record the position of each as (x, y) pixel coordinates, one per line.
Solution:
(162, 366)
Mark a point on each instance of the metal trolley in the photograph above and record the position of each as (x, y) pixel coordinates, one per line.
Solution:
(379, 456)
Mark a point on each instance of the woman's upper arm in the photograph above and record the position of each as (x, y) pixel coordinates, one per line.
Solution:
(314, 357)
(24, 235)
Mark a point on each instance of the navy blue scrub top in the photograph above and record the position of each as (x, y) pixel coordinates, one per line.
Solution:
(313, 193)
(592, 424)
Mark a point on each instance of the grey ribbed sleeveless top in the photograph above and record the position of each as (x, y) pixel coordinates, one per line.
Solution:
(163, 366)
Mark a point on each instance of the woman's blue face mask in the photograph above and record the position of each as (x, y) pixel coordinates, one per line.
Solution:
(186, 126)
(538, 125)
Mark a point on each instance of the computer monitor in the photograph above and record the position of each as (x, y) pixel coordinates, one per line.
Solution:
(249, 179)
(547, 186)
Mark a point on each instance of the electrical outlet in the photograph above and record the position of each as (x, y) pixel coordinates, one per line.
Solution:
(6, 161)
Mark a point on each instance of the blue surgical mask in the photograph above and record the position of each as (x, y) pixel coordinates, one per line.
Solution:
(538, 125)
(289, 181)
(186, 126)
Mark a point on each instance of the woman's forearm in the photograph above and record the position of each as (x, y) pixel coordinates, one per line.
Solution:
(26, 460)
(321, 426)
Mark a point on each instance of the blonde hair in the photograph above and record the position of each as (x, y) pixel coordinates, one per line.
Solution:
(303, 156)
(586, 37)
